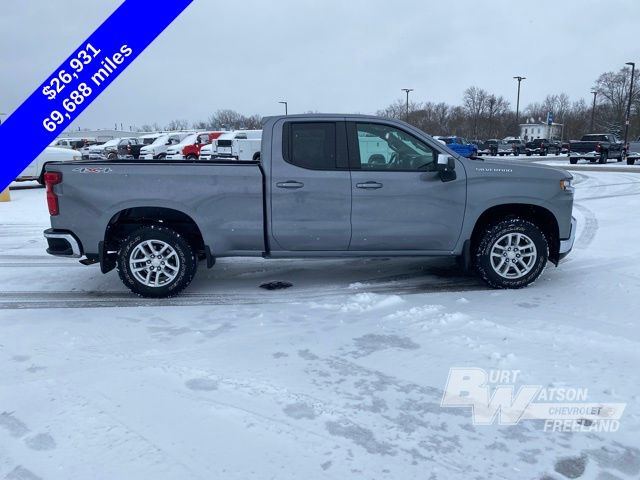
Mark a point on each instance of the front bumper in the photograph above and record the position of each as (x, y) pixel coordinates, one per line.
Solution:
(567, 245)
(63, 243)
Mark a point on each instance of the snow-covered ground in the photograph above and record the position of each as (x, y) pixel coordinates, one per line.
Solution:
(340, 376)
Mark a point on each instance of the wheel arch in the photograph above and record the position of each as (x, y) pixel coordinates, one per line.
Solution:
(536, 214)
(129, 219)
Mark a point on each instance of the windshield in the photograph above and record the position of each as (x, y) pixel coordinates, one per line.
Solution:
(189, 140)
(161, 140)
(111, 143)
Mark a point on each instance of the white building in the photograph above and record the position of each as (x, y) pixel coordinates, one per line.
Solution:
(531, 131)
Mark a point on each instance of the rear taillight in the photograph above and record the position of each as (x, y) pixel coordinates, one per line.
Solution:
(598, 147)
(51, 179)
(128, 148)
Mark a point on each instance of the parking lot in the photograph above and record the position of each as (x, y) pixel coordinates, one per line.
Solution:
(346, 380)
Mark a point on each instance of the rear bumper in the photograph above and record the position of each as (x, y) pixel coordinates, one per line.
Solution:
(584, 155)
(63, 243)
(567, 245)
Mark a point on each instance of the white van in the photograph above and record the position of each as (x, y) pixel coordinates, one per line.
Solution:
(50, 154)
(241, 145)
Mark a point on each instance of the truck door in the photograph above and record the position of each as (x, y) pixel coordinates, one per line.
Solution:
(399, 201)
(311, 188)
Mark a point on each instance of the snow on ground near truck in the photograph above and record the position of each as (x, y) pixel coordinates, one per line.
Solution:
(340, 376)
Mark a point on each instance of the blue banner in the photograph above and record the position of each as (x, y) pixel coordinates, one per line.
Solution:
(81, 78)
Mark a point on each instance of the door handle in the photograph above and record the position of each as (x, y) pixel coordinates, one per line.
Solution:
(290, 184)
(369, 185)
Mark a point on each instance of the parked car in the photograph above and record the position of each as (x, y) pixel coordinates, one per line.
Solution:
(73, 143)
(494, 147)
(543, 146)
(596, 147)
(149, 138)
(518, 146)
(97, 152)
(236, 144)
(129, 148)
(206, 152)
(314, 193)
(633, 152)
(49, 154)
(241, 145)
(174, 152)
(189, 148)
(460, 146)
(158, 149)
(192, 152)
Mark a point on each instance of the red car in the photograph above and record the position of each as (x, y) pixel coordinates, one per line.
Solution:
(192, 152)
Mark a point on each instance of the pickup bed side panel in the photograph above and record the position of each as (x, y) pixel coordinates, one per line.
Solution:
(224, 200)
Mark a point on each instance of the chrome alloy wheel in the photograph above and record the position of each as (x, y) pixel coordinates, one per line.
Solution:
(513, 255)
(154, 263)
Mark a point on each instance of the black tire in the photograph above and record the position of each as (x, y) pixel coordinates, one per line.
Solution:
(112, 156)
(256, 157)
(186, 268)
(493, 235)
(573, 161)
(162, 156)
(618, 159)
(631, 161)
(191, 157)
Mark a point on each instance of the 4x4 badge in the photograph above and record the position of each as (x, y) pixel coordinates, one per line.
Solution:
(92, 170)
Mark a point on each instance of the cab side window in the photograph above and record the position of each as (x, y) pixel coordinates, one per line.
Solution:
(310, 145)
(383, 147)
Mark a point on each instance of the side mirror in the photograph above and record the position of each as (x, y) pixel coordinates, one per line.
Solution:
(446, 167)
(446, 163)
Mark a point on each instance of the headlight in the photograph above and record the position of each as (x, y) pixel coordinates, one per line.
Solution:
(566, 184)
(77, 157)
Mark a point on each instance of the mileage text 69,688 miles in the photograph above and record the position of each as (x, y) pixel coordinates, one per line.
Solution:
(65, 77)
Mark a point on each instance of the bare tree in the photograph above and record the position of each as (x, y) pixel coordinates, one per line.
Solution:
(613, 95)
(177, 125)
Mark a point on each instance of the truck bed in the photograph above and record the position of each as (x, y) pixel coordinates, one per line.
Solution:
(225, 199)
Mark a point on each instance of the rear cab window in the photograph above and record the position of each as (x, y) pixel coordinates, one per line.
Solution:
(315, 145)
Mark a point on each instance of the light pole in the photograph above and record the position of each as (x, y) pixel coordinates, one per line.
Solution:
(519, 79)
(286, 107)
(407, 91)
(626, 122)
(593, 109)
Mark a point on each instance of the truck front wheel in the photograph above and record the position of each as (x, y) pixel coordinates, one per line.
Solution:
(156, 262)
(511, 254)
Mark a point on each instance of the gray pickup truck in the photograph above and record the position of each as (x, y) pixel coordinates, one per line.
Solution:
(325, 186)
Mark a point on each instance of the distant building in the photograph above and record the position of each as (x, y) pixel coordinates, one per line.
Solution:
(531, 131)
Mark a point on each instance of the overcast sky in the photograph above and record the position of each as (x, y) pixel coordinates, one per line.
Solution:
(328, 56)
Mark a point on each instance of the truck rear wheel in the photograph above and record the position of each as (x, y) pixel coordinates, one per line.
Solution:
(156, 262)
(511, 254)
